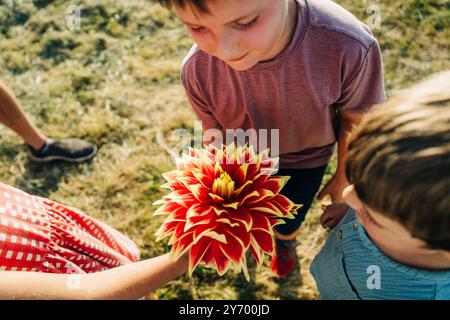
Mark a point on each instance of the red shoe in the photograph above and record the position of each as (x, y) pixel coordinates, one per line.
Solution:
(284, 258)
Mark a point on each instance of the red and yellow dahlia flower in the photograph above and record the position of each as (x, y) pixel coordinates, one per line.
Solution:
(223, 203)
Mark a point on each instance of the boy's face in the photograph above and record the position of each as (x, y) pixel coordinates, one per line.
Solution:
(241, 32)
(394, 240)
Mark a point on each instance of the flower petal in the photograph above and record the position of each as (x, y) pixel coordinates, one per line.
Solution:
(264, 241)
(228, 222)
(234, 249)
(197, 252)
(254, 195)
(276, 184)
(233, 205)
(218, 229)
(242, 216)
(216, 198)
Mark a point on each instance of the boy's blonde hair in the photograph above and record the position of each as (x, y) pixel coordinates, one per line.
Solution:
(399, 160)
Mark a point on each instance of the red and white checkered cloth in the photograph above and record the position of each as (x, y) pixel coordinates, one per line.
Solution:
(40, 235)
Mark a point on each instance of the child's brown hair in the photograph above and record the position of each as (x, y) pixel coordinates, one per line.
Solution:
(399, 160)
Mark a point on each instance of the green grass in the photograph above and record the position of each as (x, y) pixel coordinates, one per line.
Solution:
(115, 82)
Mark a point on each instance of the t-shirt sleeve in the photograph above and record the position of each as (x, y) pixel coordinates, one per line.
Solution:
(203, 112)
(364, 87)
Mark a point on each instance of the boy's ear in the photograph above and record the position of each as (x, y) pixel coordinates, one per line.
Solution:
(351, 197)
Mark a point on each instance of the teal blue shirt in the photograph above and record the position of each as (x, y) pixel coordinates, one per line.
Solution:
(350, 266)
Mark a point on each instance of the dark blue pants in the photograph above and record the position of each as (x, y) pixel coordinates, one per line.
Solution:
(301, 188)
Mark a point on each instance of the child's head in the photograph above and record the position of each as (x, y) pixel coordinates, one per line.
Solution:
(398, 166)
(239, 32)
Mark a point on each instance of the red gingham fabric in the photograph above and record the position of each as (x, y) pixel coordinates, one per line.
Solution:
(40, 235)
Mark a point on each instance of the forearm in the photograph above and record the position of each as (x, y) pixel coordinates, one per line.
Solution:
(137, 280)
(347, 122)
(345, 128)
(12, 116)
(131, 281)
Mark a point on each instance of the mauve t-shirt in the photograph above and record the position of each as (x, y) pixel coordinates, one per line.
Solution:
(332, 63)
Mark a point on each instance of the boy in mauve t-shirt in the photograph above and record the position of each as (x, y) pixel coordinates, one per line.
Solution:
(308, 68)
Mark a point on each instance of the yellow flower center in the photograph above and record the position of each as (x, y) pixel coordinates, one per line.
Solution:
(223, 186)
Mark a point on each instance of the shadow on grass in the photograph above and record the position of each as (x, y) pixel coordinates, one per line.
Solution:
(41, 179)
(248, 290)
(8, 152)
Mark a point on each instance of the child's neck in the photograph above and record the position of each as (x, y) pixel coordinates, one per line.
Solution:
(288, 32)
